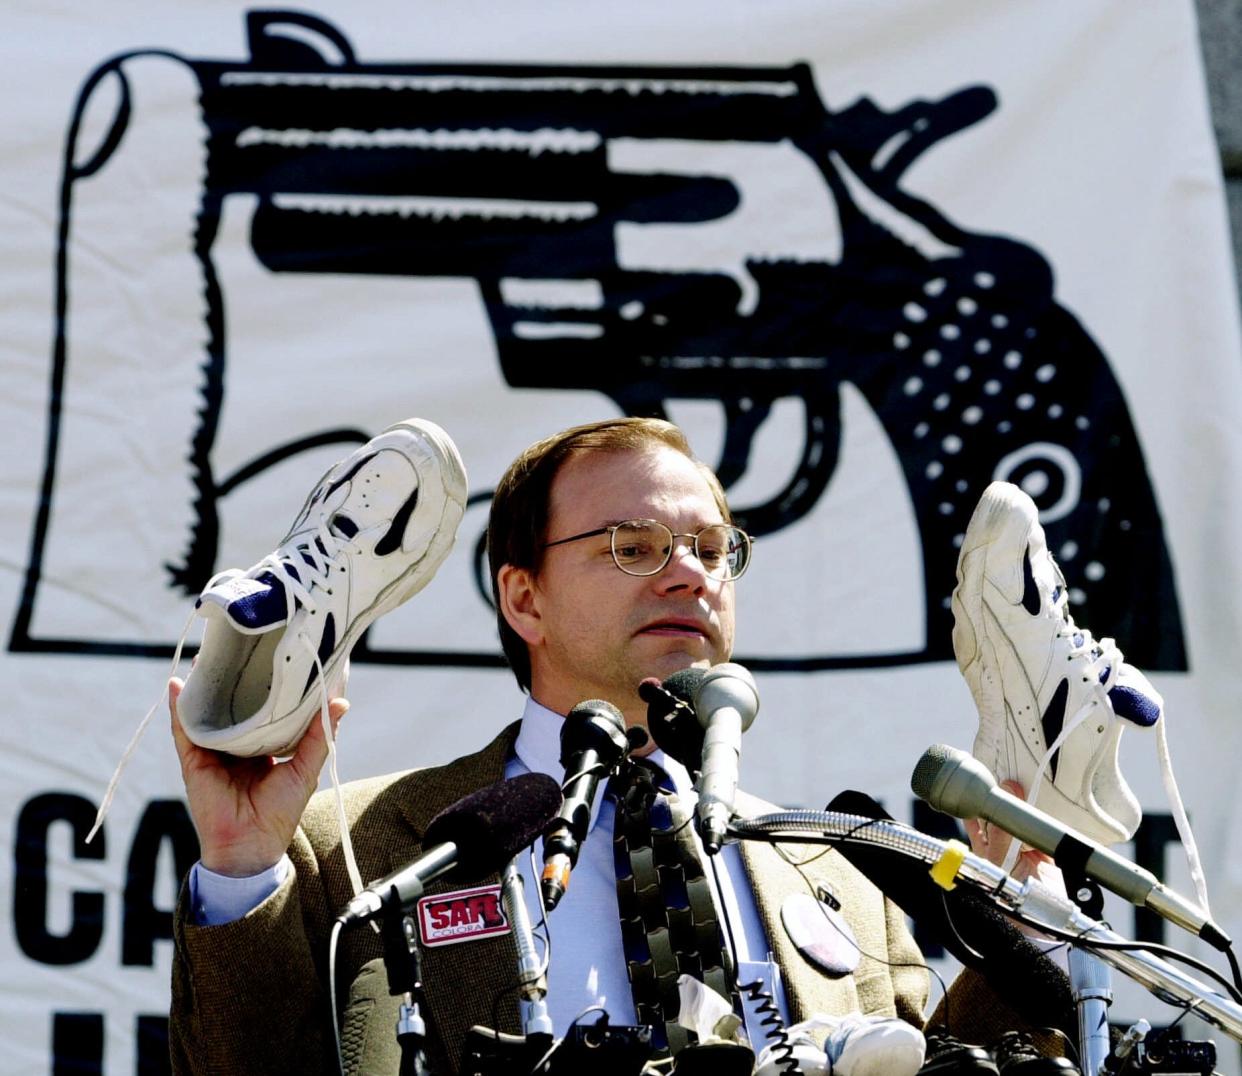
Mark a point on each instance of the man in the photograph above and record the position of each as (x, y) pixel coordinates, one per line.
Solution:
(577, 621)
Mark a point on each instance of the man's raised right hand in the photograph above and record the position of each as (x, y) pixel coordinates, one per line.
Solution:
(246, 809)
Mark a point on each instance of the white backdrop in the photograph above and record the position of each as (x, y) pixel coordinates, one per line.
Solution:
(1097, 154)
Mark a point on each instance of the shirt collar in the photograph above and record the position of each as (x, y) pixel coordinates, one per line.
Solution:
(538, 748)
(538, 744)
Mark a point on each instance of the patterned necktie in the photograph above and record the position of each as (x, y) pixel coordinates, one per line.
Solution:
(669, 924)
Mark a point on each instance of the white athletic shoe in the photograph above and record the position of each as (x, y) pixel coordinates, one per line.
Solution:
(1052, 701)
(874, 1045)
(856, 1045)
(277, 639)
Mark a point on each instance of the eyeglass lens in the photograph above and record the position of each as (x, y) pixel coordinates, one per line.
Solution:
(643, 547)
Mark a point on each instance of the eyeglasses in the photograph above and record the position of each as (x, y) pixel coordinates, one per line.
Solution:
(645, 546)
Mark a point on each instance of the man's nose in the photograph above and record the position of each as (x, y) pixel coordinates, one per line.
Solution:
(684, 567)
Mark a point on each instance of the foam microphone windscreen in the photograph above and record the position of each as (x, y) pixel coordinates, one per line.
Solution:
(491, 826)
(966, 923)
(671, 717)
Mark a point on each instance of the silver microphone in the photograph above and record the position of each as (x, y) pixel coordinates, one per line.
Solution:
(726, 703)
(959, 784)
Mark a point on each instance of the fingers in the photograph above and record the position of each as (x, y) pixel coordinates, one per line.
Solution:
(987, 841)
(337, 708)
(312, 749)
(992, 843)
(180, 740)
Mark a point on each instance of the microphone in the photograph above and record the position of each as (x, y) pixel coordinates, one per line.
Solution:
(476, 836)
(671, 717)
(966, 923)
(958, 784)
(532, 981)
(593, 742)
(726, 702)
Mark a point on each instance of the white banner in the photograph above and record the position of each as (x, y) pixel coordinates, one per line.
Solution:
(870, 255)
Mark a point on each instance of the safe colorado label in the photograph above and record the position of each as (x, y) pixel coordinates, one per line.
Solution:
(463, 915)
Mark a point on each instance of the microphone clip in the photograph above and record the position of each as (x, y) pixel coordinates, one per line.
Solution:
(676, 707)
(1084, 891)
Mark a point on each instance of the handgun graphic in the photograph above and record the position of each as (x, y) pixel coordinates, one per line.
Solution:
(685, 233)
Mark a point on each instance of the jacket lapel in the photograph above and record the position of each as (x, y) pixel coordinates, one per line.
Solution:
(807, 989)
(463, 983)
(773, 880)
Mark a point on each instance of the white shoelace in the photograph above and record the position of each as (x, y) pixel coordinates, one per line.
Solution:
(1107, 656)
(322, 552)
(313, 557)
(132, 746)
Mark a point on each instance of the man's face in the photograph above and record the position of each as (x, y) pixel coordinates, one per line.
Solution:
(601, 631)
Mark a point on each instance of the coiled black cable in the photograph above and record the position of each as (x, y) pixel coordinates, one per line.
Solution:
(773, 1026)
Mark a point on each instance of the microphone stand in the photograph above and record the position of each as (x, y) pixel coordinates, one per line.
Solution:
(532, 984)
(1170, 984)
(1090, 981)
(405, 980)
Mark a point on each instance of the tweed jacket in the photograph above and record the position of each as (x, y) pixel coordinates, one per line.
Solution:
(251, 995)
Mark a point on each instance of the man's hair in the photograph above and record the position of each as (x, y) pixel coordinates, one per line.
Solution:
(518, 523)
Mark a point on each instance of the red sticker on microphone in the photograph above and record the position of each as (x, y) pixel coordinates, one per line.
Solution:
(465, 915)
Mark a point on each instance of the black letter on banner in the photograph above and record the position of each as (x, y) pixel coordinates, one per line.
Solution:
(142, 923)
(77, 1043)
(30, 880)
(153, 1058)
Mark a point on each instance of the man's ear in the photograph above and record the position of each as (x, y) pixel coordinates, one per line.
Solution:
(518, 596)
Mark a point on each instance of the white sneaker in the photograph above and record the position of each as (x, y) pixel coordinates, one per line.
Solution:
(1052, 701)
(277, 640)
(856, 1045)
(874, 1046)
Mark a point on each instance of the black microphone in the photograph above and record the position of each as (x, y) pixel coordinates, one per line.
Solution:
(966, 923)
(476, 836)
(726, 701)
(671, 717)
(959, 784)
(593, 742)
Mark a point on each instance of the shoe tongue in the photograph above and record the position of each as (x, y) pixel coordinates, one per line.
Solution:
(1133, 697)
(253, 605)
(1134, 706)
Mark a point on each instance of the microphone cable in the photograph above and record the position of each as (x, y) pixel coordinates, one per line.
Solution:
(775, 1030)
(1056, 1032)
(1233, 966)
(814, 891)
(1082, 939)
(557, 1042)
(1085, 940)
(544, 926)
(333, 940)
(770, 1020)
(542, 931)
(798, 866)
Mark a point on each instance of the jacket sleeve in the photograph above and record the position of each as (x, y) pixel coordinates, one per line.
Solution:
(249, 996)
